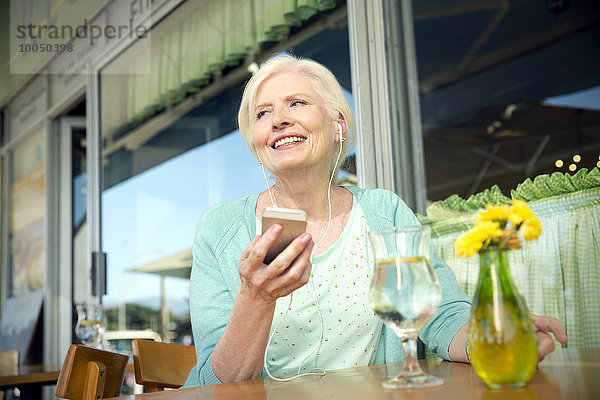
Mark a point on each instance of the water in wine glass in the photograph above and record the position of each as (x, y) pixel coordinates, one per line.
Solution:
(405, 293)
(90, 331)
(406, 296)
(90, 328)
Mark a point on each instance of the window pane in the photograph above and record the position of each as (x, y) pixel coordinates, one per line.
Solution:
(79, 214)
(506, 91)
(27, 216)
(160, 176)
(152, 199)
(3, 276)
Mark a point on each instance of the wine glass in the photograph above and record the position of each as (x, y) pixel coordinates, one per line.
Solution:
(405, 294)
(89, 328)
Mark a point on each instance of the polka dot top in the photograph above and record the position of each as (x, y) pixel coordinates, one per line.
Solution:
(351, 330)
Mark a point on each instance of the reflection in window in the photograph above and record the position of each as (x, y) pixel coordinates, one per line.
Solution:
(3, 283)
(79, 214)
(27, 216)
(160, 174)
(149, 218)
(485, 88)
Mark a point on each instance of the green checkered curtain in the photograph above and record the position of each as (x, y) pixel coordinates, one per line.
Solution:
(199, 40)
(559, 273)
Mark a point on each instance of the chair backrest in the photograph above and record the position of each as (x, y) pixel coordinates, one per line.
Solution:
(161, 365)
(9, 361)
(88, 373)
(9, 364)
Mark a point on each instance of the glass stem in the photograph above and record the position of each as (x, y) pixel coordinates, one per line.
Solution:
(411, 364)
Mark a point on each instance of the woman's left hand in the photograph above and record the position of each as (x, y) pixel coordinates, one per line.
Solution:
(545, 325)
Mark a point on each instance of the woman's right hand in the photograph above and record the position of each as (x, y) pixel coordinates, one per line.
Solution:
(286, 273)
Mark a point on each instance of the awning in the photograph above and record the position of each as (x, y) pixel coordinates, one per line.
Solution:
(196, 43)
(178, 265)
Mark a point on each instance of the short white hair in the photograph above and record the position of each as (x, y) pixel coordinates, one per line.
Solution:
(324, 83)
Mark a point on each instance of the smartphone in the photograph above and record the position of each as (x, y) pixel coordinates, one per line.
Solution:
(293, 222)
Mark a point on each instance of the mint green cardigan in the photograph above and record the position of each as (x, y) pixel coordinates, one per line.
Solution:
(224, 231)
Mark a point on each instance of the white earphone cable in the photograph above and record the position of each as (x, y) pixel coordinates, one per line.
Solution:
(315, 371)
(267, 182)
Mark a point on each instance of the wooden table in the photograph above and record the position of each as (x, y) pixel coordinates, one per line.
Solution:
(30, 376)
(564, 374)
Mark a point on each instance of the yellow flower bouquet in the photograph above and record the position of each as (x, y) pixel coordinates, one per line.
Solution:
(497, 226)
(502, 344)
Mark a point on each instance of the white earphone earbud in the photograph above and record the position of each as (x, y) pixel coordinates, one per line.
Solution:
(340, 132)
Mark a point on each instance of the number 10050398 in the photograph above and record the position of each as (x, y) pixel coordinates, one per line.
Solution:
(45, 47)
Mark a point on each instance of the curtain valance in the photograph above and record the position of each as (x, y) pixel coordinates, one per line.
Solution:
(198, 41)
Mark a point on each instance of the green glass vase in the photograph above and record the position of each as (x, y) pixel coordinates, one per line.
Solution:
(502, 339)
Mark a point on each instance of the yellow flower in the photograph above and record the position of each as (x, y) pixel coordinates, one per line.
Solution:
(520, 211)
(531, 228)
(482, 234)
(494, 213)
(492, 228)
(466, 247)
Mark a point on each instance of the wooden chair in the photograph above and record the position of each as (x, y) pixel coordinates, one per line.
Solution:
(89, 373)
(161, 365)
(9, 364)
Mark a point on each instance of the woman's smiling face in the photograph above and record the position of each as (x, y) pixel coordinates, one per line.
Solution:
(292, 128)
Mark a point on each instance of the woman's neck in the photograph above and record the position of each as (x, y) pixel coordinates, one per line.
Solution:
(305, 194)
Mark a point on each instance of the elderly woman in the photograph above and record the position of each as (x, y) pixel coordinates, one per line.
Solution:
(297, 123)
